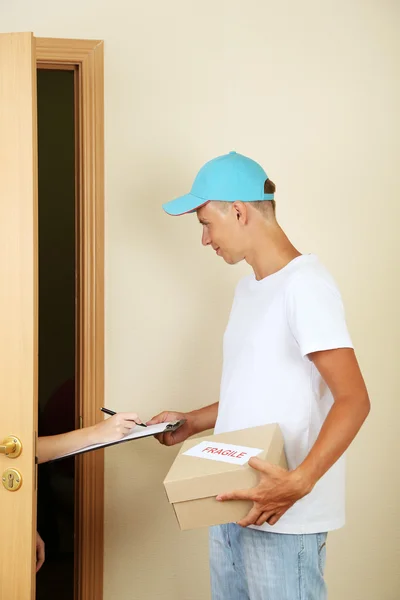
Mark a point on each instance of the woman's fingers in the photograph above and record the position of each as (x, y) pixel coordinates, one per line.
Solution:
(130, 416)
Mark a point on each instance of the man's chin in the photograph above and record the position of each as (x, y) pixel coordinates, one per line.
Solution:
(232, 261)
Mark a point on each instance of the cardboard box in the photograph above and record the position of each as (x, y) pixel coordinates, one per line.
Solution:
(217, 464)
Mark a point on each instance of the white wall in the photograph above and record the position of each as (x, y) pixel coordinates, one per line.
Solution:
(311, 90)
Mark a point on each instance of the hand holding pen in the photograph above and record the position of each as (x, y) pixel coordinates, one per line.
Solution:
(129, 416)
(114, 428)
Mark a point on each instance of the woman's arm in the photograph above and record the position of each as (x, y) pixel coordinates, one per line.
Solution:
(110, 430)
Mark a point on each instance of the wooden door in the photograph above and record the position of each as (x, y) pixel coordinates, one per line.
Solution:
(18, 309)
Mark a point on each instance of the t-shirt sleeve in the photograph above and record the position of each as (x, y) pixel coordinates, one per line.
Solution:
(316, 314)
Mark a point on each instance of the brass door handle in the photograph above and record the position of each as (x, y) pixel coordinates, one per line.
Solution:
(11, 447)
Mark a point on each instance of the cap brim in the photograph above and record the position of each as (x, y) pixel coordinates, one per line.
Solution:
(184, 205)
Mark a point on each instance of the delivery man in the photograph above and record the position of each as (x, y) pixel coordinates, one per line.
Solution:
(288, 359)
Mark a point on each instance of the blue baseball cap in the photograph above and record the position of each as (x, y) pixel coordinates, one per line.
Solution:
(228, 178)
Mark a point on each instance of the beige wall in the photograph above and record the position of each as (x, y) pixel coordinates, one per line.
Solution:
(311, 90)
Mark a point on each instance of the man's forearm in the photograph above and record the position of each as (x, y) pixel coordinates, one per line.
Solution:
(340, 428)
(54, 446)
(204, 418)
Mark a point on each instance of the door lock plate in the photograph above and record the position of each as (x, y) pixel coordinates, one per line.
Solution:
(12, 480)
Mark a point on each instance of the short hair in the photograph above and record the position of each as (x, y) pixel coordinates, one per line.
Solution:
(263, 206)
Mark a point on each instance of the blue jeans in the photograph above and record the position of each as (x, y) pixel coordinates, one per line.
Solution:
(248, 564)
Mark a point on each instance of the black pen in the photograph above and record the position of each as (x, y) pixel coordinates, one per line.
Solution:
(112, 413)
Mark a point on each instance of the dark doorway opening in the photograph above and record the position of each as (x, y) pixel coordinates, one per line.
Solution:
(57, 324)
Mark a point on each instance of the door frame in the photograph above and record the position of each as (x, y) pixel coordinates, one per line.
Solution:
(86, 58)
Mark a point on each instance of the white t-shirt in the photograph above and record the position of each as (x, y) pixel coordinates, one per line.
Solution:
(268, 378)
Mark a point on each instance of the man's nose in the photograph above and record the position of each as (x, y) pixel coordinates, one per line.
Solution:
(205, 238)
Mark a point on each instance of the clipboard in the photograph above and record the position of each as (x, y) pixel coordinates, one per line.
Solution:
(136, 433)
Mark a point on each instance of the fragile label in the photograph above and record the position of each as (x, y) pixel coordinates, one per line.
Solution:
(237, 455)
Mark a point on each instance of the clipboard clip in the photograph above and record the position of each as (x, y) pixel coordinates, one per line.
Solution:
(175, 425)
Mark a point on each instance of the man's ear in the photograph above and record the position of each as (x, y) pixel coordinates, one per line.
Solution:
(241, 212)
